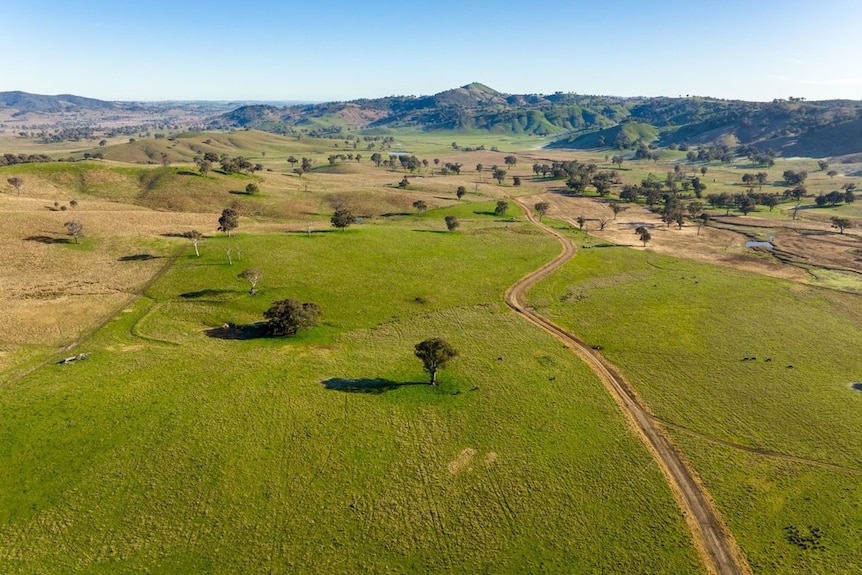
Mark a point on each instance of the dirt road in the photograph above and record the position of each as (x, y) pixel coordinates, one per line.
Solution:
(715, 544)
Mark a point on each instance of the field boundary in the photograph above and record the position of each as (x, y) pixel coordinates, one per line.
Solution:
(716, 546)
(88, 333)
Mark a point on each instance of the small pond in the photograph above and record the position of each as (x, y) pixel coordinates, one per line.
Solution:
(757, 244)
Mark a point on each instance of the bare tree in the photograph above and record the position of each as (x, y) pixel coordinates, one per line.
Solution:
(195, 237)
(75, 229)
(16, 183)
(252, 276)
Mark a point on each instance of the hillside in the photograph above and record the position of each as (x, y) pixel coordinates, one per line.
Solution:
(791, 127)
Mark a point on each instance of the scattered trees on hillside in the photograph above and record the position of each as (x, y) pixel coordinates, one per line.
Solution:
(342, 218)
(289, 316)
(75, 229)
(435, 354)
(252, 276)
(643, 234)
(195, 237)
(16, 183)
(228, 221)
(542, 209)
(841, 223)
(499, 174)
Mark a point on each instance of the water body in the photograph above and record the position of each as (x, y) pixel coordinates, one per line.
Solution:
(757, 244)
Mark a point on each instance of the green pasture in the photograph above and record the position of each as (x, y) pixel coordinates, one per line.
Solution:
(724, 356)
(174, 452)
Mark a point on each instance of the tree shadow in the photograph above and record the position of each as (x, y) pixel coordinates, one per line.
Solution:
(48, 240)
(206, 293)
(362, 385)
(433, 231)
(138, 258)
(857, 386)
(393, 214)
(238, 332)
(313, 232)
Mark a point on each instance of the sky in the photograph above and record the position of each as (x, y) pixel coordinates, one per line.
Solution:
(343, 50)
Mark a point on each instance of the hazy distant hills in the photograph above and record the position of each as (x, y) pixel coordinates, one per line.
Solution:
(791, 127)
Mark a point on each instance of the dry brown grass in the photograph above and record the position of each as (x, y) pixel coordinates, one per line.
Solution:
(52, 291)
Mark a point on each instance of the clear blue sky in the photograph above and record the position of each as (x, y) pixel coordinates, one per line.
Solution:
(340, 50)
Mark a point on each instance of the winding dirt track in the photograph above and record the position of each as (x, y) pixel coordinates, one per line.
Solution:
(715, 544)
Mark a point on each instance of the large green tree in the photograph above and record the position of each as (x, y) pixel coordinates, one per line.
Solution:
(289, 316)
(435, 353)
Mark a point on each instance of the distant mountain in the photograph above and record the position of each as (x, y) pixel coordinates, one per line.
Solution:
(25, 102)
(790, 127)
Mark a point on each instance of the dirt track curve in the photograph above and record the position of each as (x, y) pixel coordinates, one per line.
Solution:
(715, 544)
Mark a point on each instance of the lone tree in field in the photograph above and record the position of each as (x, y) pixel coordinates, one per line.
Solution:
(461, 192)
(643, 234)
(403, 183)
(342, 218)
(581, 221)
(16, 183)
(75, 229)
(510, 161)
(420, 206)
(252, 188)
(289, 316)
(499, 174)
(195, 237)
(516, 181)
(841, 223)
(435, 353)
(542, 209)
(502, 208)
(452, 223)
(252, 276)
(228, 221)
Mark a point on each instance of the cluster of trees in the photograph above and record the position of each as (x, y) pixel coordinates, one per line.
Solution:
(835, 197)
(350, 157)
(13, 159)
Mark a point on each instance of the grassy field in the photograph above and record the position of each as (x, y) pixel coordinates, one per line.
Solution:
(177, 452)
(729, 358)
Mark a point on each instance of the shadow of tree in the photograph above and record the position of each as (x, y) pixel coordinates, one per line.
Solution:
(206, 293)
(857, 386)
(362, 385)
(238, 332)
(138, 258)
(48, 240)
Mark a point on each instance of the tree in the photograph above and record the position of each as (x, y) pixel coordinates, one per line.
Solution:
(289, 316)
(228, 221)
(516, 181)
(479, 168)
(252, 276)
(203, 165)
(452, 223)
(420, 206)
(616, 209)
(195, 237)
(702, 220)
(461, 192)
(499, 174)
(618, 160)
(252, 188)
(510, 161)
(793, 178)
(542, 209)
(75, 229)
(841, 223)
(823, 165)
(581, 221)
(502, 207)
(166, 159)
(342, 218)
(435, 353)
(306, 164)
(643, 234)
(403, 183)
(16, 183)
